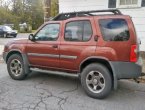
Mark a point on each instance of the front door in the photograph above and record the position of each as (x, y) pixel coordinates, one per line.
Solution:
(44, 51)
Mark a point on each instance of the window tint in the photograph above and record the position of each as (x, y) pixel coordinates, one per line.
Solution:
(48, 33)
(114, 29)
(78, 31)
(87, 31)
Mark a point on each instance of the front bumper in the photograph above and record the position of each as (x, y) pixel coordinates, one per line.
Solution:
(127, 70)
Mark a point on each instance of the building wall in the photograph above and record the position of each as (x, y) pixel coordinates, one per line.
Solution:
(137, 14)
(138, 17)
(81, 5)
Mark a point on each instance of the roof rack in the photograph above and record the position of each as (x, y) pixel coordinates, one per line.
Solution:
(64, 16)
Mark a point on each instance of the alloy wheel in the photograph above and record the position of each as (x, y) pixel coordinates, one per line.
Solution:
(95, 81)
(16, 67)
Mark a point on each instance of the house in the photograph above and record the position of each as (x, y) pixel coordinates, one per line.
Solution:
(134, 8)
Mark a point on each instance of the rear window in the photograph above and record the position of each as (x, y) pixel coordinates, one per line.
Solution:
(114, 29)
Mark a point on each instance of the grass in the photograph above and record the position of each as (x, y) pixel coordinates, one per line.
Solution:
(33, 31)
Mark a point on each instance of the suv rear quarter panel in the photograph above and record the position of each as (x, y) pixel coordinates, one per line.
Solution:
(115, 50)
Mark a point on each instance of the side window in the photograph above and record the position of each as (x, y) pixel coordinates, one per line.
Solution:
(49, 32)
(114, 29)
(78, 31)
(87, 31)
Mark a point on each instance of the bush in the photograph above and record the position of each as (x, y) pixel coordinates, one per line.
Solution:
(27, 29)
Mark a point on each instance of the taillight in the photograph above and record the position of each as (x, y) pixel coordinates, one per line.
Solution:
(133, 53)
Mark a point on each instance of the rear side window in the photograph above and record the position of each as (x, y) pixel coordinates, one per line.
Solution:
(114, 29)
(78, 31)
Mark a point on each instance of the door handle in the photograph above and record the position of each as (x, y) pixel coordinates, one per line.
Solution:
(55, 46)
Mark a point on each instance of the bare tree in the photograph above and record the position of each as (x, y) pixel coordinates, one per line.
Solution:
(6, 4)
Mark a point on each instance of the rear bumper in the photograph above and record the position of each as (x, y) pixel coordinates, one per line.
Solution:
(127, 70)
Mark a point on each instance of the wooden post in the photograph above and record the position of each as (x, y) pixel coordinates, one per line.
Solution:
(47, 7)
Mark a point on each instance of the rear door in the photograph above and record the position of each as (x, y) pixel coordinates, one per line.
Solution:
(77, 42)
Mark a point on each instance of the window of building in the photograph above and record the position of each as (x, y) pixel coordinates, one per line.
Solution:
(78, 31)
(128, 3)
(114, 29)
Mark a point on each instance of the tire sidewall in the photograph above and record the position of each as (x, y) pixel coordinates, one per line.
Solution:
(15, 36)
(22, 75)
(107, 76)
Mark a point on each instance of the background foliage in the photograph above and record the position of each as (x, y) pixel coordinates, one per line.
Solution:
(24, 11)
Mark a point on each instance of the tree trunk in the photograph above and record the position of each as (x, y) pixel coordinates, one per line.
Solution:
(47, 7)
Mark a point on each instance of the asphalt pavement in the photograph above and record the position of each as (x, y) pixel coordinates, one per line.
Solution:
(49, 91)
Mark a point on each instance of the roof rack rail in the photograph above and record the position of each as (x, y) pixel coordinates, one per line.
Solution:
(64, 16)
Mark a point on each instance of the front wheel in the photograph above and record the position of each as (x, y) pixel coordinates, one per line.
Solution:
(15, 67)
(96, 80)
(15, 36)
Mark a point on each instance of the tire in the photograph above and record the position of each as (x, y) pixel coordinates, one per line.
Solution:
(96, 80)
(15, 36)
(15, 67)
(5, 35)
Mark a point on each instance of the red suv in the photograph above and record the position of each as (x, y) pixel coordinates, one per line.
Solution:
(101, 49)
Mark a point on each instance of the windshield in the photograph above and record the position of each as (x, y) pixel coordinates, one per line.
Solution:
(6, 28)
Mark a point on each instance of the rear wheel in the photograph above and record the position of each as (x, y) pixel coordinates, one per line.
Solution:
(96, 81)
(15, 67)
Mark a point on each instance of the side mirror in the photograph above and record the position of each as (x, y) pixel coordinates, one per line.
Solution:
(31, 37)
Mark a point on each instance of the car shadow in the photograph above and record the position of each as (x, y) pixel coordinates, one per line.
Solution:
(125, 88)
